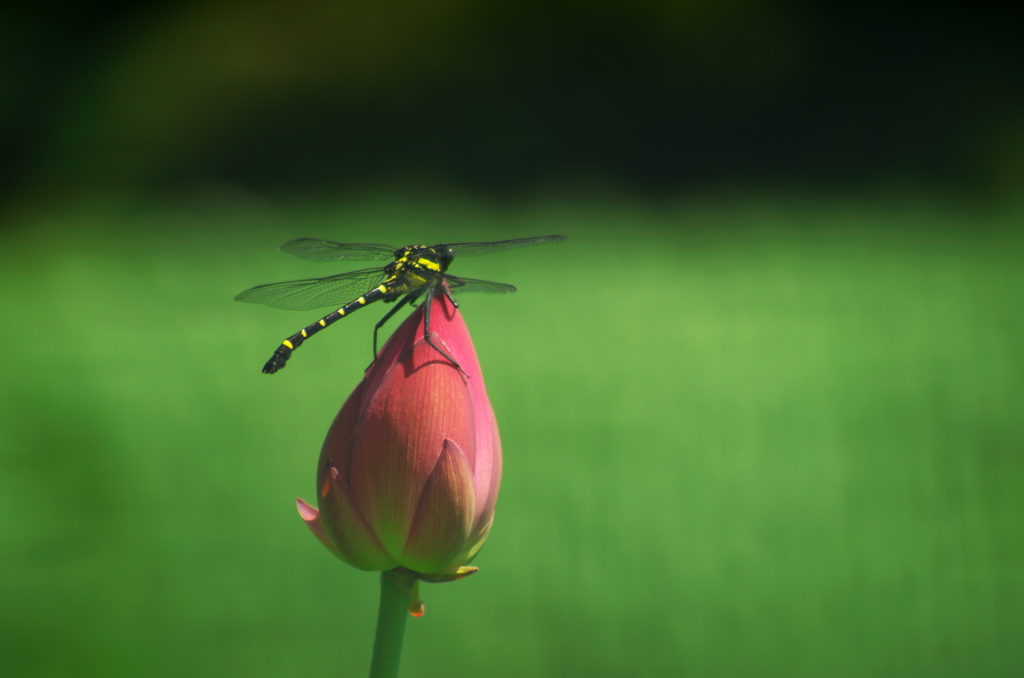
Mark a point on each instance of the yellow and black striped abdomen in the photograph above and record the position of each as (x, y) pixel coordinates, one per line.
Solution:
(277, 361)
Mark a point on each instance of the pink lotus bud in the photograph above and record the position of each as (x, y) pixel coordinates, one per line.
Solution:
(409, 471)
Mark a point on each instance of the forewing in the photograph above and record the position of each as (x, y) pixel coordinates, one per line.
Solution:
(472, 249)
(312, 249)
(303, 295)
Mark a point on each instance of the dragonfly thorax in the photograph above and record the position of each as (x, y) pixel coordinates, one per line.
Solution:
(437, 258)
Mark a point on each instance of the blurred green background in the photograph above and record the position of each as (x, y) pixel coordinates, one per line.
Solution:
(761, 413)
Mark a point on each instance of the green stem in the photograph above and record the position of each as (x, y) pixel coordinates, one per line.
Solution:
(391, 616)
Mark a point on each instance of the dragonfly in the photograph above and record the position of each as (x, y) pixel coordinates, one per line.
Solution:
(414, 271)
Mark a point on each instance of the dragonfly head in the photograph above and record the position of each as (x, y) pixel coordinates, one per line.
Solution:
(444, 256)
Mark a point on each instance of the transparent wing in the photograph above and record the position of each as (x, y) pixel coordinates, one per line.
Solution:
(312, 249)
(472, 249)
(303, 295)
(461, 285)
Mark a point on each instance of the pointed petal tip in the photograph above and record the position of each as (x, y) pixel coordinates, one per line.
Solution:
(465, 571)
(311, 516)
(442, 577)
(307, 512)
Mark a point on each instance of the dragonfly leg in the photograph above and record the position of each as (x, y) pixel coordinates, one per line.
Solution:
(427, 335)
(409, 298)
(448, 293)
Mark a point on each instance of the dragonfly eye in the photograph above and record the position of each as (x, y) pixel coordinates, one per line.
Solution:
(444, 257)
